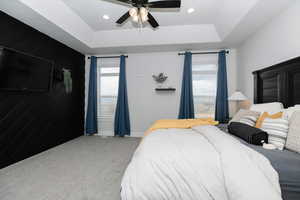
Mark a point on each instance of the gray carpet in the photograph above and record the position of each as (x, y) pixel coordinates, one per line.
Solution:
(87, 168)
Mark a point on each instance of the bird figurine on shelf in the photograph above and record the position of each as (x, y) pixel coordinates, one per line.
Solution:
(161, 78)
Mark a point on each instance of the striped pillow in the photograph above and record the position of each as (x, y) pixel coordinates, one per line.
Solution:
(277, 130)
(249, 120)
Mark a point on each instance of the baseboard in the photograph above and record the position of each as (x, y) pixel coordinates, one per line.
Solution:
(106, 133)
(110, 134)
(137, 134)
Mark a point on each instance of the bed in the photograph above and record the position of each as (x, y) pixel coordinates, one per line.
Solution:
(286, 163)
(204, 162)
(281, 83)
(199, 163)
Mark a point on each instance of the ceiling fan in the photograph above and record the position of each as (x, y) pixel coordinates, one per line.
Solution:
(140, 11)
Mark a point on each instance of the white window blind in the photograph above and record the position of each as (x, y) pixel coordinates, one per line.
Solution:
(108, 82)
(204, 69)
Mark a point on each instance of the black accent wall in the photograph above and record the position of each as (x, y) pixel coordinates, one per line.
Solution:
(34, 122)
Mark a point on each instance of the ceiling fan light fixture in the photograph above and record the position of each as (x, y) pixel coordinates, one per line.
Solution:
(143, 12)
(133, 12)
(144, 18)
(139, 11)
(135, 18)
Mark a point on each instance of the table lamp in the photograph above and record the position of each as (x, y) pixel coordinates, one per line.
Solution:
(240, 98)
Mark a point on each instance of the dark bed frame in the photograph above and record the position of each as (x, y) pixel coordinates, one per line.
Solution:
(278, 83)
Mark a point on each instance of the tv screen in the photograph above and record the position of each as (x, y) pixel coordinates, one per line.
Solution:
(22, 72)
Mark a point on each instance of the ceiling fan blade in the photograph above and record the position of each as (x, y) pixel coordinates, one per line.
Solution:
(125, 1)
(152, 21)
(123, 18)
(165, 4)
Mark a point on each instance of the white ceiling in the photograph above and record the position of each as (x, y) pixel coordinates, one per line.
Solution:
(79, 24)
(91, 11)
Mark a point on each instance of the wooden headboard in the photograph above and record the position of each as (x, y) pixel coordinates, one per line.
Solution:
(278, 83)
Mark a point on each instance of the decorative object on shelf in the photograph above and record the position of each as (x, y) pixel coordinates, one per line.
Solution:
(161, 78)
(240, 98)
(170, 89)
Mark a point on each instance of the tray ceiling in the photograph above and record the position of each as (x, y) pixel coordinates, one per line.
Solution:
(79, 24)
(91, 11)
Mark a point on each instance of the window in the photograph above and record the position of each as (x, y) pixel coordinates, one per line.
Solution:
(108, 76)
(204, 71)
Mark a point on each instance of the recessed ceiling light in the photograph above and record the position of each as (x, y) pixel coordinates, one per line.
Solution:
(191, 10)
(105, 17)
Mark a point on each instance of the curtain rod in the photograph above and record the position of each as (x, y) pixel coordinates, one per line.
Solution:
(211, 52)
(108, 57)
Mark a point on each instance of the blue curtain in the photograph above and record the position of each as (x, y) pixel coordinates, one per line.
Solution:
(186, 110)
(122, 121)
(91, 117)
(222, 111)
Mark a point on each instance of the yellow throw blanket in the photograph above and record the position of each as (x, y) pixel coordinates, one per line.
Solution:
(180, 123)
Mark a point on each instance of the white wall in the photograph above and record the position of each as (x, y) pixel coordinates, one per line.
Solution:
(276, 41)
(146, 105)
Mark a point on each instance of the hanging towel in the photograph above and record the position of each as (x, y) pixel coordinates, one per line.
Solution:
(67, 80)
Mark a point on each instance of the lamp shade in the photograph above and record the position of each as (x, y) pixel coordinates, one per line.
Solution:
(237, 96)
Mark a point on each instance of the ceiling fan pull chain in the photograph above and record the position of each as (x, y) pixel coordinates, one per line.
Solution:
(140, 25)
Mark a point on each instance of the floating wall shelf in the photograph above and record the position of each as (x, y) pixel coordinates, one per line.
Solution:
(166, 89)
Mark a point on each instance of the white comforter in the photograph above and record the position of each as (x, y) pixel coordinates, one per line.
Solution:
(202, 163)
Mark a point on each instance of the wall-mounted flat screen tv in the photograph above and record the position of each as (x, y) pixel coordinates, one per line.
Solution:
(23, 72)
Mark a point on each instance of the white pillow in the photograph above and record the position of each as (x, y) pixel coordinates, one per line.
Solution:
(293, 138)
(287, 113)
(271, 108)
